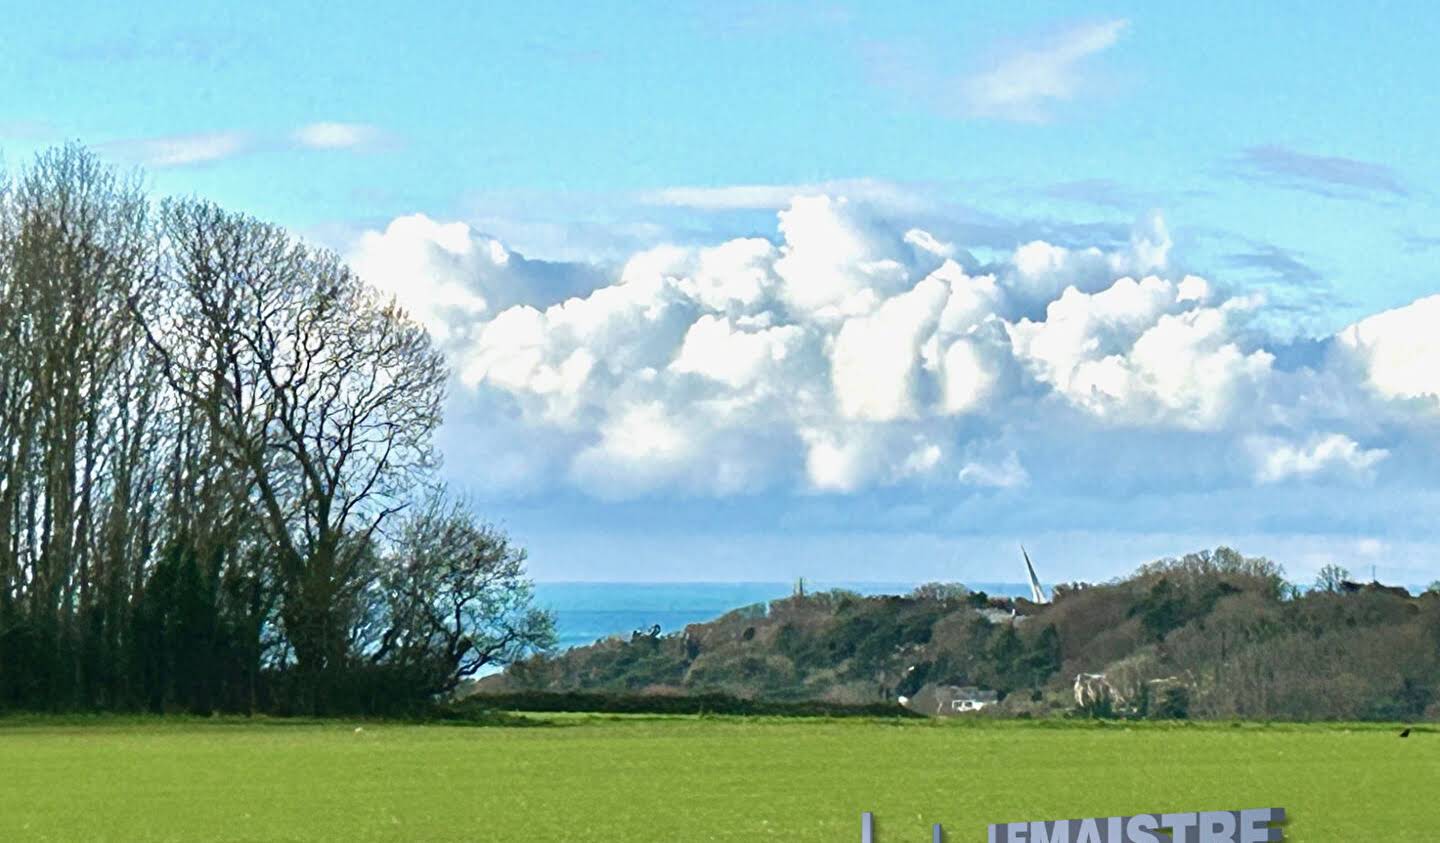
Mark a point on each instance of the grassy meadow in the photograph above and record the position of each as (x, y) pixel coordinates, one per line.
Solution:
(634, 778)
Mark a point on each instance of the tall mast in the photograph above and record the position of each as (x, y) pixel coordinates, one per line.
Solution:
(1037, 594)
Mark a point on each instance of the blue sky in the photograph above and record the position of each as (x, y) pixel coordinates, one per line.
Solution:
(1282, 153)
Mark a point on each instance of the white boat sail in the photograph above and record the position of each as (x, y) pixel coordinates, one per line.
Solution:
(1037, 594)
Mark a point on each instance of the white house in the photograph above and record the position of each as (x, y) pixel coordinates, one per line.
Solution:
(949, 700)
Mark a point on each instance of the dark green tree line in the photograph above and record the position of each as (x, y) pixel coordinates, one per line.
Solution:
(216, 469)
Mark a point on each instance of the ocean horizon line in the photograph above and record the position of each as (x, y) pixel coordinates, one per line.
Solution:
(808, 582)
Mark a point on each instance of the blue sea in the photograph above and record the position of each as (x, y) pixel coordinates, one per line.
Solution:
(588, 611)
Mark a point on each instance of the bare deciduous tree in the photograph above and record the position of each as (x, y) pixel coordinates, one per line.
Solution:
(456, 599)
(1331, 578)
(205, 427)
(325, 394)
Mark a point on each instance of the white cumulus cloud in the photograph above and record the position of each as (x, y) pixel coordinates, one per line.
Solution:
(1398, 350)
(1278, 460)
(449, 277)
(1141, 351)
(847, 352)
(1006, 473)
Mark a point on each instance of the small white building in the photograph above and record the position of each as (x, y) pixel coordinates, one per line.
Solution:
(949, 700)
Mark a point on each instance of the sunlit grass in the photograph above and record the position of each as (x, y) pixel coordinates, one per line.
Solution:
(687, 778)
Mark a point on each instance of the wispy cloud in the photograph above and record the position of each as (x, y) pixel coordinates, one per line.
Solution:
(333, 135)
(1023, 85)
(1416, 243)
(181, 150)
(1277, 459)
(754, 17)
(1007, 473)
(1281, 263)
(1299, 298)
(1104, 193)
(762, 197)
(1325, 175)
(1023, 81)
(25, 130)
(208, 147)
(207, 46)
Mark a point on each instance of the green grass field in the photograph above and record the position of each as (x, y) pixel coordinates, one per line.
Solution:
(685, 778)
